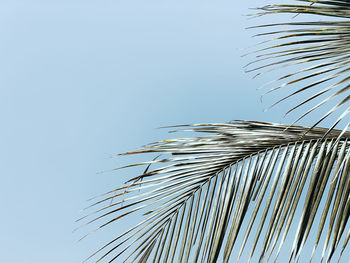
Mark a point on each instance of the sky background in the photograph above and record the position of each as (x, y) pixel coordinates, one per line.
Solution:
(81, 81)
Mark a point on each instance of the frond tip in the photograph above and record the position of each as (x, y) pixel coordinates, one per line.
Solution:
(316, 52)
(230, 180)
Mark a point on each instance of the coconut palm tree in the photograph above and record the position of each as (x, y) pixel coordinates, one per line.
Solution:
(247, 186)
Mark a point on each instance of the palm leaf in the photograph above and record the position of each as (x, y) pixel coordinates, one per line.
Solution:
(233, 178)
(316, 53)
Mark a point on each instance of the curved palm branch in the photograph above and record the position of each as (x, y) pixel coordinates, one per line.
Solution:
(322, 46)
(234, 178)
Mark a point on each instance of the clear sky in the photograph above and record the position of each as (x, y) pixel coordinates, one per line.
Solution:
(81, 81)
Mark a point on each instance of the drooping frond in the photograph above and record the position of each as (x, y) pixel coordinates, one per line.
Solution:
(234, 179)
(316, 51)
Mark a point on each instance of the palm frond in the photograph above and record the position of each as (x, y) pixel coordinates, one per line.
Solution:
(320, 47)
(194, 202)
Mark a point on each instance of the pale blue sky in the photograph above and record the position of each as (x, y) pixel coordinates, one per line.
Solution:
(81, 81)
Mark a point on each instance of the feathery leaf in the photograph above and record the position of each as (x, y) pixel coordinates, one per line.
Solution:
(195, 202)
(320, 47)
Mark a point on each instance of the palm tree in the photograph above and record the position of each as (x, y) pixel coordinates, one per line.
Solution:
(247, 186)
